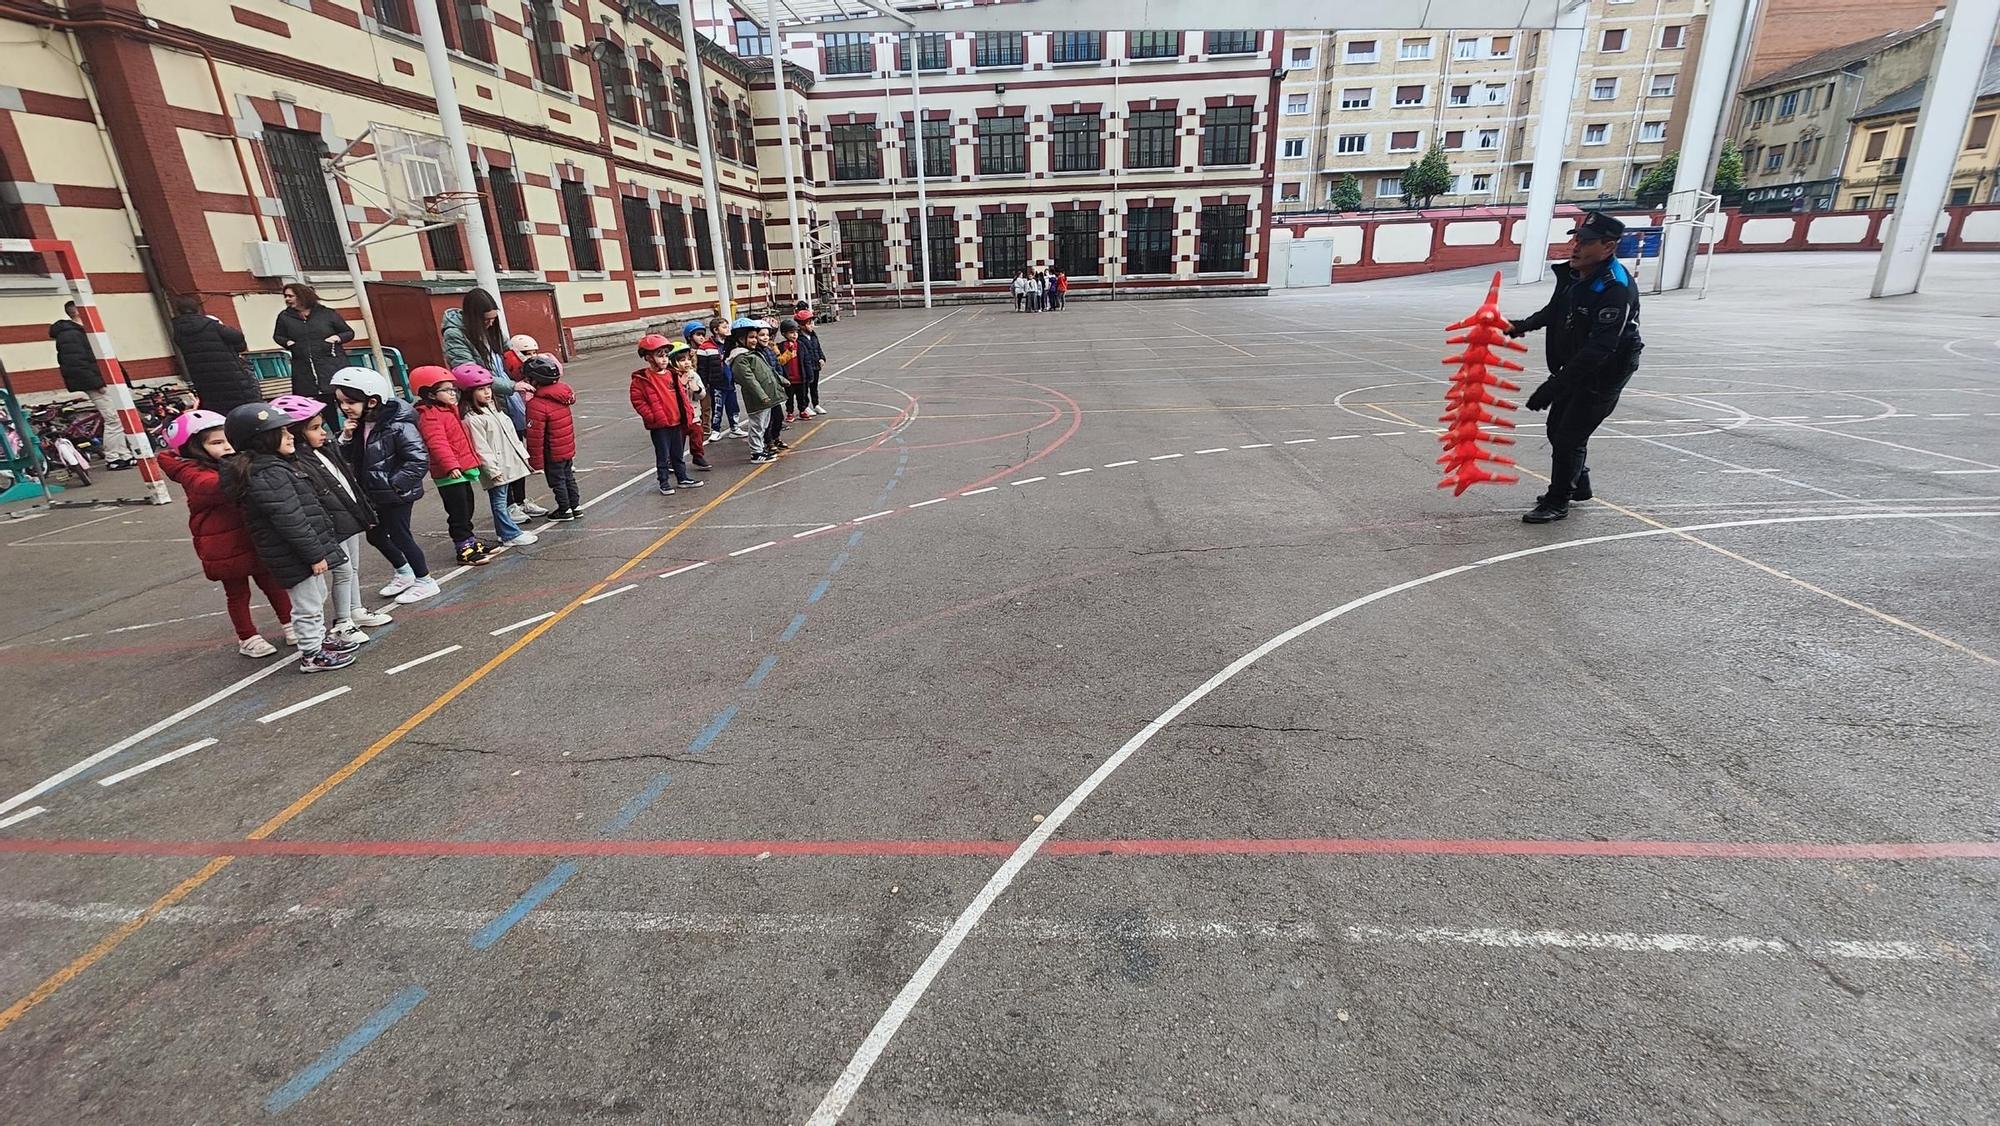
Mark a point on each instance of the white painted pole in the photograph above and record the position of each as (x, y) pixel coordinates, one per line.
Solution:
(1565, 55)
(1725, 49)
(801, 286)
(438, 57)
(917, 138)
(354, 275)
(699, 104)
(1953, 86)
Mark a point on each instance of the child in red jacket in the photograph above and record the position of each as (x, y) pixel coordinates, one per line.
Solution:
(552, 432)
(662, 407)
(221, 539)
(454, 463)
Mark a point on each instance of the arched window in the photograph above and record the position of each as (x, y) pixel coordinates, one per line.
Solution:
(684, 110)
(617, 75)
(746, 134)
(653, 99)
(719, 122)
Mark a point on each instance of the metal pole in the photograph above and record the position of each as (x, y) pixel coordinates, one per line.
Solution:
(1725, 48)
(474, 214)
(1565, 55)
(923, 183)
(700, 103)
(349, 247)
(801, 288)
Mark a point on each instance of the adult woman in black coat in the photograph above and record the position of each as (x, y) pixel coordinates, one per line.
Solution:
(213, 352)
(315, 336)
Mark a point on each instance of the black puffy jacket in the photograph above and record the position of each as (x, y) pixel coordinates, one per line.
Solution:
(287, 522)
(391, 461)
(338, 491)
(74, 357)
(215, 368)
(313, 360)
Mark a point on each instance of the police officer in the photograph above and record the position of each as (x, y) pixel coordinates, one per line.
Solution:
(1594, 346)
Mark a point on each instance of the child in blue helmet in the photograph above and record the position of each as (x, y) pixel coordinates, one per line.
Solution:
(715, 376)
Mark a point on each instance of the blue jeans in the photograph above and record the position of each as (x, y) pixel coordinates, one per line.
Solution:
(724, 399)
(503, 524)
(670, 456)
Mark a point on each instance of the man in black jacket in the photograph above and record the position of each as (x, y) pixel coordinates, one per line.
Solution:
(78, 363)
(1594, 346)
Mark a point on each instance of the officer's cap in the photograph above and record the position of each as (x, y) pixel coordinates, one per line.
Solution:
(1598, 225)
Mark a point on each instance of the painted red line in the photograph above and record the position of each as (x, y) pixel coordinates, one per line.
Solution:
(1308, 846)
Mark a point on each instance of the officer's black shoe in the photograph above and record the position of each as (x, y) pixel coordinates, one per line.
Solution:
(1545, 513)
(1581, 492)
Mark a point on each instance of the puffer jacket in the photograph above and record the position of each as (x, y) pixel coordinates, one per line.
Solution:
(551, 425)
(389, 456)
(708, 363)
(74, 357)
(215, 367)
(221, 538)
(755, 380)
(503, 460)
(287, 522)
(452, 457)
(339, 493)
(658, 399)
(812, 354)
(313, 360)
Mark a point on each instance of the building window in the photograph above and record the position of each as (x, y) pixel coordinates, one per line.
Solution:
(1980, 133)
(639, 241)
(1152, 44)
(1079, 245)
(846, 52)
(295, 157)
(1405, 140)
(1296, 104)
(1003, 145)
(1295, 147)
(1224, 242)
(582, 237)
(1454, 140)
(760, 250)
(1076, 142)
(746, 135)
(397, 14)
(704, 249)
(1876, 142)
(1388, 187)
(1226, 135)
(1230, 43)
(551, 53)
(1614, 39)
(1788, 105)
(1663, 85)
(1152, 139)
(506, 218)
(1961, 196)
(1149, 240)
(1076, 46)
(1489, 138)
(867, 250)
(1482, 183)
(933, 50)
(751, 40)
(857, 151)
(937, 150)
(1299, 56)
(1652, 131)
(1760, 110)
(468, 30)
(1806, 105)
(447, 249)
(1774, 158)
(1858, 203)
(1527, 179)
(653, 100)
(943, 230)
(721, 132)
(1603, 89)
(684, 110)
(1357, 97)
(1291, 191)
(1501, 47)
(1596, 134)
(1750, 156)
(674, 232)
(1459, 96)
(1003, 243)
(1417, 49)
(998, 48)
(1360, 51)
(1496, 94)
(616, 75)
(738, 234)
(1889, 201)
(1586, 178)
(1348, 144)
(1409, 95)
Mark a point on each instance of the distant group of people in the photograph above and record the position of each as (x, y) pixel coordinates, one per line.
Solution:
(1040, 291)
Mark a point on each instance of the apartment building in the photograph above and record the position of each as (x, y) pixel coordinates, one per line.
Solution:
(1368, 103)
(1879, 140)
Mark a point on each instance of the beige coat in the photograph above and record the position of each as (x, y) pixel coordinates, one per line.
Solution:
(503, 460)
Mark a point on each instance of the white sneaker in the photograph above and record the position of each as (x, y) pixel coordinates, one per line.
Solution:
(398, 583)
(533, 509)
(347, 632)
(419, 590)
(518, 513)
(291, 635)
(522, 540)
(256, 646)
(370, 618)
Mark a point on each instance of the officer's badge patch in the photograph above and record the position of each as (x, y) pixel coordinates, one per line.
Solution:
(1609, 315)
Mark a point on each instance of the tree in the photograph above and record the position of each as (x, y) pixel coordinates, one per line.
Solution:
(1427, 178)
(1347, 193)
(1659, 179)
(1729, 169)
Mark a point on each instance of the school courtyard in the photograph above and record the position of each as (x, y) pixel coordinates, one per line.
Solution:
(1100, 717)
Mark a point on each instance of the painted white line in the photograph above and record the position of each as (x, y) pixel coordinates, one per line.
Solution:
(1165, 457)
(614, 593)
(1844, 417)
(1951, 416)
(1962, 472)
(140, 736)
(842, 1092)
(1028, 481)
(511, 627)
(166, 622)
(748, 550)
(1214, 450)
(683, 570)
(873, 516)
(814, 531)
(1389, 433)
(1117, 464)
(450, 649)
(1256, 446)
(1629, 942)
(302, 705)
(453, 573)
(1064, 473)
(1301, 441)
(1748, 471)
(1775, 418)
(976, 492)
(642, 475)
(16, 819)
(153, 762)
(1684, 420)
(933, 500)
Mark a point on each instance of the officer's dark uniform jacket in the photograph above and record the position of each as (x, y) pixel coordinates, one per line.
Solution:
(1593, 326)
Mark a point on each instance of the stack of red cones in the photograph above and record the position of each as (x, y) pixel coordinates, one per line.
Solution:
(1471, 403)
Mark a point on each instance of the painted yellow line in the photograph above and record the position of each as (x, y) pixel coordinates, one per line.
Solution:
(187, 887)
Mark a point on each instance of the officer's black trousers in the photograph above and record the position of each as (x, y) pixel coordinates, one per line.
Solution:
(1572, 420)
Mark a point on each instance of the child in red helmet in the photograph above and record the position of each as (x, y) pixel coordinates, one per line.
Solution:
(662, 406)
(812, 359)
(454, 463)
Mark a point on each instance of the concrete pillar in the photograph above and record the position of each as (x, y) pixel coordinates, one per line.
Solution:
(1563, 50)
(1725, 47)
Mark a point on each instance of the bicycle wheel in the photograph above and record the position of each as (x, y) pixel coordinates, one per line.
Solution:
(73, 461)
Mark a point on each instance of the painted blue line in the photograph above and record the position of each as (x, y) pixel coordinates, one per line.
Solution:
(840, 560)
(764, 668)
(382, 1020)
(855, 538)
(632, 809)
(791, 631)
(714, 730)
(819, 591)
(530, 899)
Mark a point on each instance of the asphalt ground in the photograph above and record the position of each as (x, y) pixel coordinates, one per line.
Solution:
(1101, 717)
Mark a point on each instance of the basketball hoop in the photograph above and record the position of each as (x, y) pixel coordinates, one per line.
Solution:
(447, 207)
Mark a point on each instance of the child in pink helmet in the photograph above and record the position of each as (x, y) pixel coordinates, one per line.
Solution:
(193, 458)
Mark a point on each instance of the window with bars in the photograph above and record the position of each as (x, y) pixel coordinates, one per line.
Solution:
(577, 213)
(1076, 142)
(937, 150)
(674, 233)
(721, 131)
(684, 110)
(1230, 43)
(1152, 139)
(999, 48)
(397, 14)
(447, 248)
(1076, 46)
(1003, 145)
(295, 158)
(704, 249)
(1079, 242)
(508, 213)
(1003, 244)
(653, 110)
(751, 41)
(467, 30)
(857, 151)
(760, 250)
(1226, 135)
(1152, 44)
(14, 224)
(847, 52)
(639, 244)
(616, 74)
(551, 53)
(737, 232)
(943, 230)
(933, 50)
(746, 134)
(1224, 242)
(867, 248)
(1149, 240)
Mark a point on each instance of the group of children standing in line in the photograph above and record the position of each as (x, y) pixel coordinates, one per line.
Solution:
(1040, 291)
(691, 390)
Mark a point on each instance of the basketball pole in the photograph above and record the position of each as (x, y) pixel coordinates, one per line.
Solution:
(351, 249)
(474, 214)
(699, 104)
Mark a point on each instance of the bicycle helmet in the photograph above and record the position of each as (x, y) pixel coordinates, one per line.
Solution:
(187, 427)
(541, 369)
(298, 408)
(521, 344)
(803, 316)
(366, 383)
(741, 323)
(250, 420)
(677, 349)
(468, 376)
(652, 342)
(428, 376)
(689, 329)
